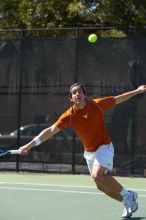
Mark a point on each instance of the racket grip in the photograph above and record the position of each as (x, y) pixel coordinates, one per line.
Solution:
(14, 151)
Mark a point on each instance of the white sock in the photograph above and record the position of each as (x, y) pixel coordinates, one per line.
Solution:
(124, 193)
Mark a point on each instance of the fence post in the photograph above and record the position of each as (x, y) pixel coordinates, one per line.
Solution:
(134, 114)
(76, 55)
(19, 110)
(75, 80)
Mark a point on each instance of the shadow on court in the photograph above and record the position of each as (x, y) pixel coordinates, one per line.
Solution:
(137, 218)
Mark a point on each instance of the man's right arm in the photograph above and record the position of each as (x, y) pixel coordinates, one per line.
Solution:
(42, 137)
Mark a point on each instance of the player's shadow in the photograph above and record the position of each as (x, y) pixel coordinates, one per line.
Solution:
(137, 218)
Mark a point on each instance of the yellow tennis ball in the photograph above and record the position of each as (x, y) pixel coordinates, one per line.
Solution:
(92, 38)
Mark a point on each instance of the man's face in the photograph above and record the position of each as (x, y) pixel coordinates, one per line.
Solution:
(77, 95)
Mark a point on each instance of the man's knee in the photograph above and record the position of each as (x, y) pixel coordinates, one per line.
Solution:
(99, 183)
(98, 177)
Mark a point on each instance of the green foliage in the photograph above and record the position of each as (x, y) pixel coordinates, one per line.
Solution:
(28, 14)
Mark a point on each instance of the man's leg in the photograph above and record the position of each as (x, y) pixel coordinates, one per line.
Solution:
(111, 187)
(98, 162)
(106, 183)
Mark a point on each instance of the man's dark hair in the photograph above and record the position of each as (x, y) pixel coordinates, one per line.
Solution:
(79, 85)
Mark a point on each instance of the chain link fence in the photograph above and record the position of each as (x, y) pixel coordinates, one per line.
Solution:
(36, 72)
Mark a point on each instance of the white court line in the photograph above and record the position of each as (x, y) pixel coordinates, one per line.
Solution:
(47, 184)
(52, 190)
(58, 185)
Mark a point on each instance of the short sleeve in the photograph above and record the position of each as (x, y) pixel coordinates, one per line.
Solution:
(63, 121)
(106, 103)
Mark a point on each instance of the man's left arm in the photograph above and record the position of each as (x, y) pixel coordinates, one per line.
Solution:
(127, 95)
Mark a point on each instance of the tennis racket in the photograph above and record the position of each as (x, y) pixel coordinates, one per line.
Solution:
(4, 152)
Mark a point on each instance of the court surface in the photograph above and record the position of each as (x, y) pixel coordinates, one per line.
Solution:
(27, 196)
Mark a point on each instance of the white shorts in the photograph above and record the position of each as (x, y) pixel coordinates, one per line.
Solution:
(103, 156)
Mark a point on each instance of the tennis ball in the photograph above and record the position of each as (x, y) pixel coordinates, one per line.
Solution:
(92, 38)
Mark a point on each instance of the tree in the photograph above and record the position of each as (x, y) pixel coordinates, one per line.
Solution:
(28, 14)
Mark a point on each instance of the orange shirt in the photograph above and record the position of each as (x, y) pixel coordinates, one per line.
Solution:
(88, 123)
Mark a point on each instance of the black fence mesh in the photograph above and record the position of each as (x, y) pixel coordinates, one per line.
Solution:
(35, 76)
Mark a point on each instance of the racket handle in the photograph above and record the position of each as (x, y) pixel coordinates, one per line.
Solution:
(14, 151)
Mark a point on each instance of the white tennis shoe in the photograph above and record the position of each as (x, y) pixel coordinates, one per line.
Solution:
(131, 204)
(126, 212)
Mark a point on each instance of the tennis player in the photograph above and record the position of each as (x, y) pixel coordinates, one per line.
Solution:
(86, 118)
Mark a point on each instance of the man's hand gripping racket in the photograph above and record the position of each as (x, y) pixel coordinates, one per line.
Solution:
(22, 151)
(4, 152)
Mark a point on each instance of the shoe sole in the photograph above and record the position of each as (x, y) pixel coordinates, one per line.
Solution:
(129, 216)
